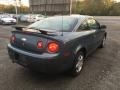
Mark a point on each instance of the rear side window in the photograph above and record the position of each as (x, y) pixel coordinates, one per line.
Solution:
(93, 24)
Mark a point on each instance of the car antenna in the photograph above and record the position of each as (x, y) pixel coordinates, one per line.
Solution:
(45, 12)
(62, 19)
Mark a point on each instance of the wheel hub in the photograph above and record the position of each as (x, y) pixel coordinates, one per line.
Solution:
(79, 63)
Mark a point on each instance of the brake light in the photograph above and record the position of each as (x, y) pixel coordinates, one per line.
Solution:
(53, 47)
(12, 39)
(40, 45)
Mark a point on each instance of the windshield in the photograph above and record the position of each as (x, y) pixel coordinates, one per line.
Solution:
(56, 23)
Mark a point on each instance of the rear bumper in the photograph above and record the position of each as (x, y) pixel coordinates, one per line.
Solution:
(47, 63)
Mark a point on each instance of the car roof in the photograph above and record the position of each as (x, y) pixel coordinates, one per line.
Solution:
(77, 16)
(81, 16)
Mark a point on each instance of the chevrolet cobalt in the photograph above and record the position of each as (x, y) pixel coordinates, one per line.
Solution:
(57, 44)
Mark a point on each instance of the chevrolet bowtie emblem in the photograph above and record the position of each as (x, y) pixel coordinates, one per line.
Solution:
(24, 39)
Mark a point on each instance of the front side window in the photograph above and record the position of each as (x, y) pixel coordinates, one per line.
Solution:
(93, 24)
(84, 26)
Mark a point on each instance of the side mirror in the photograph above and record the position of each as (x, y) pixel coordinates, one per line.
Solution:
(103, 26)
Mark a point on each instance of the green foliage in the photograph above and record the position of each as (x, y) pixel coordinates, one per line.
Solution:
(97, 7)
(11, 9)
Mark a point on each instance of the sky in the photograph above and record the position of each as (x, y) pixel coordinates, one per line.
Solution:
(25, 2)
(117, 0)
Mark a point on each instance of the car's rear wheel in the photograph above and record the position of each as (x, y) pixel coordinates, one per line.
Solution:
(78, 64)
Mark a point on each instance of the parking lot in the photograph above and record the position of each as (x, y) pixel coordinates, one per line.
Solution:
(101, 70)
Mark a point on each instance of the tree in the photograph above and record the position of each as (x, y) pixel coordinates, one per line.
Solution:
(97, 7)
(11, 9)
(114, 10)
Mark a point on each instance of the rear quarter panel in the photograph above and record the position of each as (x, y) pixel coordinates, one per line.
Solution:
(74, 41)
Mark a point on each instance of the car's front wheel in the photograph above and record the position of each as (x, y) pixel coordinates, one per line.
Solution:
(78, 64)
(103, 43)
(3, 23)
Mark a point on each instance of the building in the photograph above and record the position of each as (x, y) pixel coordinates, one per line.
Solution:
(50, 7)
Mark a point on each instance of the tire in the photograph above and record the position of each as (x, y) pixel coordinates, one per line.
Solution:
(0, 22)
(102, 45)
(78, 64)
(3, 23)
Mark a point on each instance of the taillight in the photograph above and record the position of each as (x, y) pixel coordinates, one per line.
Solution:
(40, 45)
(53, 47)
(12, 39)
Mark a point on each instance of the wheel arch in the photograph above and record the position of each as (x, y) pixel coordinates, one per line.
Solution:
(83, 49)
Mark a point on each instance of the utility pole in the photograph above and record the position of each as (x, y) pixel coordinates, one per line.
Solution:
(76, 6)
(20, 6)
(45, 7)
(16, 9)
(71, 6)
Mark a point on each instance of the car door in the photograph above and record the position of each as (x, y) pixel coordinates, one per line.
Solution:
(87, 36)
(97, 36)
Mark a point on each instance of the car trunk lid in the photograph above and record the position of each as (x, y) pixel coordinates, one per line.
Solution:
(28, 41)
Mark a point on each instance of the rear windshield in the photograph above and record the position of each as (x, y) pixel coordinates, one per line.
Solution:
(56, 23)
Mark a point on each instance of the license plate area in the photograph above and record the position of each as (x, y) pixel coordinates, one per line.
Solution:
(22, 60)
(19, 58)
(14, 56)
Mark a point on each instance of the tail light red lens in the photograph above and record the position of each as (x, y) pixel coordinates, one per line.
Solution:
(12, 39)
(53, 47)
(40, 45)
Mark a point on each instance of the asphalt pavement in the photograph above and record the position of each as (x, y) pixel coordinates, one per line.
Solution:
(101, 70)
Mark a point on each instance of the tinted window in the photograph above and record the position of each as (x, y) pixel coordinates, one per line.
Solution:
(56, 23)
(83, 26)
(93, 24)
